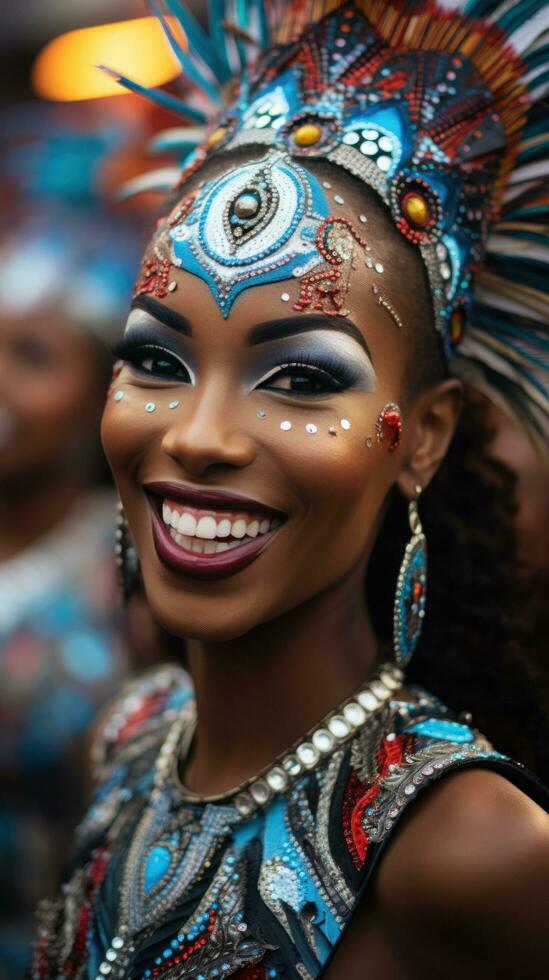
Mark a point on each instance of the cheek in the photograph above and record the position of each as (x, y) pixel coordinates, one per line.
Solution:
(127, 430)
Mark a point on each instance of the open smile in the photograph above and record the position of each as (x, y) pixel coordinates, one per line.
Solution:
(209, 534)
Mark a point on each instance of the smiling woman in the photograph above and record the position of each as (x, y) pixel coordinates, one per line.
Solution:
(290, 380)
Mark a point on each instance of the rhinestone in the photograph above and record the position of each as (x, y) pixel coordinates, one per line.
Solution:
(369, 263)
(409, 789)
(354, 714)
(369, 149)
(322, 740)
(311, 428)
(292, 765)
(338, 726)
(246, 206)
(363, 219)
(378, 267)
(307, 754)
(111, 955)
(332, 431)
(367, 700)
(173, 404)
(389, 680)
(384, 163)
(445, 270)
(379, 690)
(119, 396)
(150, 407)
(351, 138)
(172, 286)
(326, 184)
(244, 804)
(345, 424)
(105, 968)
(277, 779)
(285, 297)
(370, 134)
(262, 414)
(339, 199)
(286, 425)
(260, 792)
(368, 443)
(393, 812)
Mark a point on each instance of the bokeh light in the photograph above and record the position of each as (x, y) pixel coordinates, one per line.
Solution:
(66, 68)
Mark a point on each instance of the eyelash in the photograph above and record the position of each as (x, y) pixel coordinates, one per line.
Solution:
(135, 354)
(336, 375)
(331, 372)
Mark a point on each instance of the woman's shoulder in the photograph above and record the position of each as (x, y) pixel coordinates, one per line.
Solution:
(138, 718)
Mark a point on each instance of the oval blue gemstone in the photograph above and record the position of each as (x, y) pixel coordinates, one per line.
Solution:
(157, 865)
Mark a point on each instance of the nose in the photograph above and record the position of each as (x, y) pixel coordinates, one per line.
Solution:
(208, 436)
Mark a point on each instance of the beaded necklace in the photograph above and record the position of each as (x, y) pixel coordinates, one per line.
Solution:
(142, 909)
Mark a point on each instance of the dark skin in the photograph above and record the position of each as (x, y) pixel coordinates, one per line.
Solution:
(51, 394)
(280, 643)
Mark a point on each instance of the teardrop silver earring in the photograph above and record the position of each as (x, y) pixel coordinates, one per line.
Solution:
(411, 590)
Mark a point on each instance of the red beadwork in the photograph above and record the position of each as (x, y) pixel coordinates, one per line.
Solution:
(389, 427)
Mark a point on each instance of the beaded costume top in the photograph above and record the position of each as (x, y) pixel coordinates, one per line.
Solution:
(258, 885)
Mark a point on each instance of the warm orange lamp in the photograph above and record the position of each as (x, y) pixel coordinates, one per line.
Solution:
(65, 69)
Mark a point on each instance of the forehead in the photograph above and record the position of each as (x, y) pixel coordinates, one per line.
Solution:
(272, 228)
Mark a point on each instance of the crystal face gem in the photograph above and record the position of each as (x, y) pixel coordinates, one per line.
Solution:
(311, 428)
(285, 297)
(286, 425)
(307, 135)
(150, 407)
(173, 404)
(345, 424)
(262, 414)
(119, 396)
(338, 726)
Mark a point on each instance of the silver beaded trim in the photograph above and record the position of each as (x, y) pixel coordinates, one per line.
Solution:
(319, 743)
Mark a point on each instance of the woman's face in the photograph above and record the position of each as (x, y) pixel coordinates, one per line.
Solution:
(270, 405)
(51, 392)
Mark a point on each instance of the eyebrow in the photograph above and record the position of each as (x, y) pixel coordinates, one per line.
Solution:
(164, 314)
(290, 326)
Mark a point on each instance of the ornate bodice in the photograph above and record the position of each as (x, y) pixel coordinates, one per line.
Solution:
(170, 887)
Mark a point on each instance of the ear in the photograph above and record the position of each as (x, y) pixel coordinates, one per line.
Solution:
(431, 424)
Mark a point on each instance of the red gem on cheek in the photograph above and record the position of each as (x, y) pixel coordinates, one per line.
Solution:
(418, 590)
(392, 426)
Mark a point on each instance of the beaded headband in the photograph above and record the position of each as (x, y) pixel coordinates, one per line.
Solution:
(435, 107)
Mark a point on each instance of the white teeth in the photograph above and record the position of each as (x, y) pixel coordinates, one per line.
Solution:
(197, 545)
(166, 513)
(238, 530)
(174, 519)
(264, 526)
(206, 528)
(253, 529)
(209, 547)
(221, 546)
(178, 538)
(187, 524)
(223, 528)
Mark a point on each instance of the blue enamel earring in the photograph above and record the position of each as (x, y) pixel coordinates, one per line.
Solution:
(411, 590)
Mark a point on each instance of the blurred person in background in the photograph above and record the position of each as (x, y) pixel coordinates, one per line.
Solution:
(65, 276)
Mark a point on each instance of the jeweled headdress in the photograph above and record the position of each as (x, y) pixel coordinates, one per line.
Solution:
(435, 106)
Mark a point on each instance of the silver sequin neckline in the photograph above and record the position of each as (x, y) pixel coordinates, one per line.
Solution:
(304, 755)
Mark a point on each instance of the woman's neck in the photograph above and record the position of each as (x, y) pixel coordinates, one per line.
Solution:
(259, 693)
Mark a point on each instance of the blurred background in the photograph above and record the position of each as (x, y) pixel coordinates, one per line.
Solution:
(69, 249)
